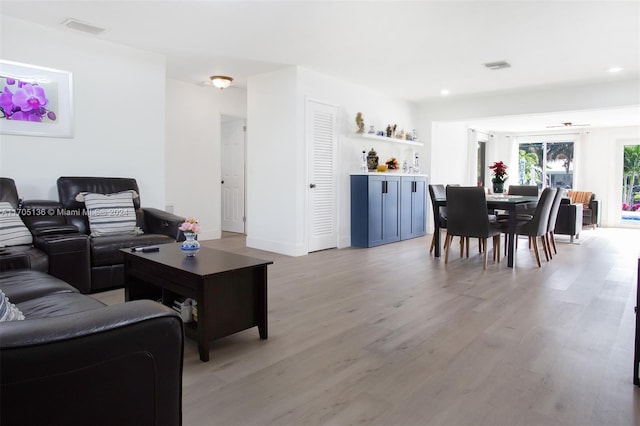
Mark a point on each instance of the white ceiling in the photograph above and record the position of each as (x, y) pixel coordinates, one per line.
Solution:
(406, 49)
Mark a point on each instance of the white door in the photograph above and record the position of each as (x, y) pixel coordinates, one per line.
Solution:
(232, 134)
(322, 137)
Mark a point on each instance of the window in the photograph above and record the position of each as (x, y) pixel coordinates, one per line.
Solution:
(546, 163)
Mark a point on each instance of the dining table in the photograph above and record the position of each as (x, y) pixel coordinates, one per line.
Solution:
(508, 203)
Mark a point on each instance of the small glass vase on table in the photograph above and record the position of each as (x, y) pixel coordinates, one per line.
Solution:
(190, 246)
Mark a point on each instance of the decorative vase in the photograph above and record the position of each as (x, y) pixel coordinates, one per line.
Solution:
(190, 246)
(498, 187)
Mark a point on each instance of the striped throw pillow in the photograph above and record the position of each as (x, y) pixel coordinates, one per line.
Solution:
(111, 214)
(9, 311)
(13, 232)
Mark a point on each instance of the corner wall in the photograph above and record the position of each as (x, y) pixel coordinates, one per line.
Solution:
(119, 106)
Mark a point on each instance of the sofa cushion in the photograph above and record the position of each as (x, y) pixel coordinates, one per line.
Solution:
(581, 197)
(13, 232)
(58, 304)
(111, 214)
(26, 284)
(9, 311)
(105, 251)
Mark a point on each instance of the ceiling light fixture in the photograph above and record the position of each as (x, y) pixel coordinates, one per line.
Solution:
(444, 92)
(221, 81)
(498, 65)
(615, 69)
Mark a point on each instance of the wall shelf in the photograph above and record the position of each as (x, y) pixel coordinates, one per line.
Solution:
(386, 139)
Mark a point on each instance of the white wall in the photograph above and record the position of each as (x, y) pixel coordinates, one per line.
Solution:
(277, 206)
(119, 103)
(193, 150)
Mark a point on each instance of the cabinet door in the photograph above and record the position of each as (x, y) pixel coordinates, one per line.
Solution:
(376, 210)
(391, 210)
(413, 207)
(419, 208)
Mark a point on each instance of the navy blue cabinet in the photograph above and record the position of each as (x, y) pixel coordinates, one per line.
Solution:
(413, 210)
(386, 208)
(375, 210)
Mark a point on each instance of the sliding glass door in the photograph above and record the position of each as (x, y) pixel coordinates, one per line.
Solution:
(546, 163)
(631, 185)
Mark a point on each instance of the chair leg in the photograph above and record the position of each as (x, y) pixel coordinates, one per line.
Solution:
(467, 243)
(547, 252)
(496, 248)
(535, 248)
(447, 244)
(461, 246)
(548, 241)
(484, 256)
(552, 237)
(433, 244)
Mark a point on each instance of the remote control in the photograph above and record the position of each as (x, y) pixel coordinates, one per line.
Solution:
(150, 249)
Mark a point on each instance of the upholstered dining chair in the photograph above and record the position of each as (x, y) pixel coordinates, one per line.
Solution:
(553, 216)
(468, 217)
(536, 227)
(439, 214)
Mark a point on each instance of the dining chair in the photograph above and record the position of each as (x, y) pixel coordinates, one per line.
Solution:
(536, 227)
(468, 217)
(529, 190)
(439, 214)
(553, 216)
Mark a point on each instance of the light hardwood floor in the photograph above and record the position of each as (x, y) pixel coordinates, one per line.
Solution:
(392, 336)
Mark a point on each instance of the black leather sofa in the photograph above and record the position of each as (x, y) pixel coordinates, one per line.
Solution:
(106, 262)
(57, 247)
(75, 361)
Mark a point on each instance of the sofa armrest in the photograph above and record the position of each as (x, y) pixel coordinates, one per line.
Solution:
(42, 214)
(162, 222)
(596, 210)
(121, 364)
(69, 257)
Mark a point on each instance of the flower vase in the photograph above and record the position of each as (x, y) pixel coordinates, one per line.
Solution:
(498, 187)
(190, 246)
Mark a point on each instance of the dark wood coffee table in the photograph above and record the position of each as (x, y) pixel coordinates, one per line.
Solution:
(230, 289)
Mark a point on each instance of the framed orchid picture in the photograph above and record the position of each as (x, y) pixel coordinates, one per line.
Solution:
(35, 101)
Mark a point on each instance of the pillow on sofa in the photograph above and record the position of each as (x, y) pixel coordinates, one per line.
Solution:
(111, 214)
(13, 232)
(9, 311)
(580, 197)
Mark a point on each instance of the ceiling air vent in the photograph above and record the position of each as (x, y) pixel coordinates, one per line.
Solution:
(74, 24)
(497, 65)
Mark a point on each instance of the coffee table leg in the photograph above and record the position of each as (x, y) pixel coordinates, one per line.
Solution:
(260, 286)
(203, 349)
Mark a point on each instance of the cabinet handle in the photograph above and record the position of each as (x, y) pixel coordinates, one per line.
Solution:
(384, 187)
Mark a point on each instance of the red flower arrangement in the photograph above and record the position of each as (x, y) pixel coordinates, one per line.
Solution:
(499, 172)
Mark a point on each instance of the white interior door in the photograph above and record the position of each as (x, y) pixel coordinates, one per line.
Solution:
(322, 138)
(232, 133)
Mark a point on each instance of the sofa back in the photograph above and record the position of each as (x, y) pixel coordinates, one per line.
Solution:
(70, 186)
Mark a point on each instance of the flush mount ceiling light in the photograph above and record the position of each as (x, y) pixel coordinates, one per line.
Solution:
(74, 24)
(221, 81)
(498, 65)
(615, 69)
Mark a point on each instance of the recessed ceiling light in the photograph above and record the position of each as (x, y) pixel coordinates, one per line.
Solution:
(444, 92)
(615, 69)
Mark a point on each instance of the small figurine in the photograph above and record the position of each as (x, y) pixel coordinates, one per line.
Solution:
(372, 160)
(372, 130)
(360, 123)
(389, 131)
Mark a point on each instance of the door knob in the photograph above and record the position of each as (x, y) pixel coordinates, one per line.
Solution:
(312, 185)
